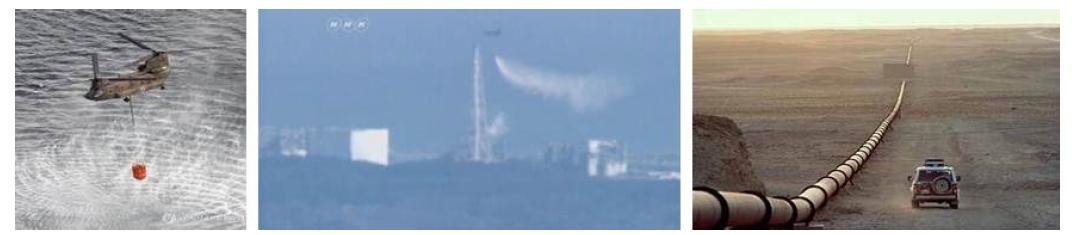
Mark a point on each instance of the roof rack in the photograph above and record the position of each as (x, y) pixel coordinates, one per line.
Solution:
(934, 162)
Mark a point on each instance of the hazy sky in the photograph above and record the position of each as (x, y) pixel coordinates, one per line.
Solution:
(554, 76)
(857, 18)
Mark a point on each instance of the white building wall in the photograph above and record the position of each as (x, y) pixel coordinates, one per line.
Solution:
(605, 157)
(369, 145)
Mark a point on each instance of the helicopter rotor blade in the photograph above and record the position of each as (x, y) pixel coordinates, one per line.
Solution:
(141, 60)
(193, 49)
(137, 43)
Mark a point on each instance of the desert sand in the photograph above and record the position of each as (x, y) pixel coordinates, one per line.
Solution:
(985, 100)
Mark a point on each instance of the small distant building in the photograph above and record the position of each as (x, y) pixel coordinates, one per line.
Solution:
(293, 143)
(606, 158)
(369, 145)
(564, 155)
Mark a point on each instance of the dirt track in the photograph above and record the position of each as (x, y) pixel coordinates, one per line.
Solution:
(985, 100)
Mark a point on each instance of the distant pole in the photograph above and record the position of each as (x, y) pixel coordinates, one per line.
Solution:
(476, 154)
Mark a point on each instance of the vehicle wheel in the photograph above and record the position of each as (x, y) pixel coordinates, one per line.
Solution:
(941, 185)
(954, 205)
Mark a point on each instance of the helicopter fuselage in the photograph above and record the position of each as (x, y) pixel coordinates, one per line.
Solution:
(152, 73)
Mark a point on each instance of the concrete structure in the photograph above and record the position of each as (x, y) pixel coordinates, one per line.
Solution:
(369, 145)
(293, 143)
(606, 158)
(565, 155)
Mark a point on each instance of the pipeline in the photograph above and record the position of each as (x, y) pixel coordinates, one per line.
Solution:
(714, 209)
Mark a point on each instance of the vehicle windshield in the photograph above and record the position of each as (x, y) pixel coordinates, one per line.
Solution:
(930, 175)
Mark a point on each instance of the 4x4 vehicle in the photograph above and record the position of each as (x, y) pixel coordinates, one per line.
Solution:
(935, 181)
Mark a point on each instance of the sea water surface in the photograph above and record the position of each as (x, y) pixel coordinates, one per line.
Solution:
(73, 156)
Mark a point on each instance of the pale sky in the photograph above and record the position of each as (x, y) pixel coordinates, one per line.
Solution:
(859, 18)
(411, 72)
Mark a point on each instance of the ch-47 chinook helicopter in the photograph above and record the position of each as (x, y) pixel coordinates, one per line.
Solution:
(152, 73)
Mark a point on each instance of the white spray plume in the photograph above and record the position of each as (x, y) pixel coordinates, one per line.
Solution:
(584, 92)
(498, 127)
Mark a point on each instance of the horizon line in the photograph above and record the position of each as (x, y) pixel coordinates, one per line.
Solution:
(882, 27)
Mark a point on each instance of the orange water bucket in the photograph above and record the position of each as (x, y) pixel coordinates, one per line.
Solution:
(139, 171)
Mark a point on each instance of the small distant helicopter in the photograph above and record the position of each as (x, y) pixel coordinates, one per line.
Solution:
(492, 33)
